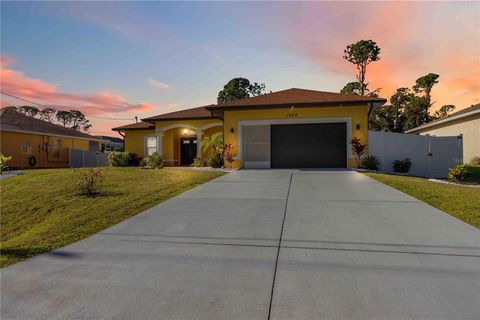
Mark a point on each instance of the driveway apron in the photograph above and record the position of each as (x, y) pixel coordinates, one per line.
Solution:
(262, 244)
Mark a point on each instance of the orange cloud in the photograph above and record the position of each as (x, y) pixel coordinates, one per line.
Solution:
(414, 39)
(18, 84)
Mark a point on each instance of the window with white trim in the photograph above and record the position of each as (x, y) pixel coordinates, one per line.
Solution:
(152, 145)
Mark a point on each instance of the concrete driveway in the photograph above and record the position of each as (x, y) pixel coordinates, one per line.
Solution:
(260, 244)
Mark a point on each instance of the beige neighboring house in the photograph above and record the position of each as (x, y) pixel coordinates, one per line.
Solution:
(465, 122)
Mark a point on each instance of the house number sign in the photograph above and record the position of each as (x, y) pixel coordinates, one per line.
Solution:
(292, 115)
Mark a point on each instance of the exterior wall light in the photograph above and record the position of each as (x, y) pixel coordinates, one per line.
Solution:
(185, 131)
(231, 130)
(358, 126)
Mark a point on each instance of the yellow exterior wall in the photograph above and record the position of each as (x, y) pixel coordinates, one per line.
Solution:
(469, 127)
(135, 141)
(11, 141)
(358, 114)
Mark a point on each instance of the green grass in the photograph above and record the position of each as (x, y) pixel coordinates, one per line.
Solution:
(42, 210)
(458, 201)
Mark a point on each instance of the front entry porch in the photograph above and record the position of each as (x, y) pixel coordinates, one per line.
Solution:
(180, 144)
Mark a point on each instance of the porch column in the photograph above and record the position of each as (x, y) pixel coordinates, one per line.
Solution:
(199, 143)
(160, 135)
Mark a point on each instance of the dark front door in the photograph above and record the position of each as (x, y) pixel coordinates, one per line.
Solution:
(188, 150)
(315, 145)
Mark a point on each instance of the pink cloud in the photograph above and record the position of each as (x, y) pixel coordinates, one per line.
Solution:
(158, 84)
(18, 84)
(414, 37)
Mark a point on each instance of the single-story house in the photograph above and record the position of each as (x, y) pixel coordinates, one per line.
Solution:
(34, 143)
(111, 144)
(293, 128)
(465, 122)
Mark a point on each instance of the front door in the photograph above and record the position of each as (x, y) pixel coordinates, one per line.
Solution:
(188, 150)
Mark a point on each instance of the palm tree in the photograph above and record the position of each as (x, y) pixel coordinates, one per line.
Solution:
(215, 142)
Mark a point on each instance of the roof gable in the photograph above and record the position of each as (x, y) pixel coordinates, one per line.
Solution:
(298, 97)
(193, 113)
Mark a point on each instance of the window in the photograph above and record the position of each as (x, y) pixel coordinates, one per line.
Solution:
(151, 145)
(25, 147)
(57, 148)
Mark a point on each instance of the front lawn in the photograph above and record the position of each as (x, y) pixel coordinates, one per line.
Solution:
(460, 202)
(41, 210)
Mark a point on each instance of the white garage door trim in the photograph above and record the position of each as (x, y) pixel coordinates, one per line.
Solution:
(268, 122)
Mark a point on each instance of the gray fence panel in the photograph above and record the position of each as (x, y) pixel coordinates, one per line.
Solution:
(81, 158)
(446, 152)
(430, 156)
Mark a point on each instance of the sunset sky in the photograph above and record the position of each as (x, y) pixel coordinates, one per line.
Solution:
(125, 59)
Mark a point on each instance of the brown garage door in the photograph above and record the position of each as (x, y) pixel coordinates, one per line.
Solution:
(315, 145)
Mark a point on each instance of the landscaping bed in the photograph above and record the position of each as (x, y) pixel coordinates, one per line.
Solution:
(458, 201)
(41, 210)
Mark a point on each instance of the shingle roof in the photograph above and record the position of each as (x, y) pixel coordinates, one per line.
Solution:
(11, 120)
(110, 139)
(456, 115)
(193, 113)
(135, 126)
(297, 97)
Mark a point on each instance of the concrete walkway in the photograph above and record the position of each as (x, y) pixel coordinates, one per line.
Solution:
(278, 244)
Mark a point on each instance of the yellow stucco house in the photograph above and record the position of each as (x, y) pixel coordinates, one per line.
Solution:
(465, 122)
(33, 143)
(294, 128)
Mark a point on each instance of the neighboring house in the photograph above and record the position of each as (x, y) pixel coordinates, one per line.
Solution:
(294, 128)
(35, 143)
(465, 122)
(111, 144)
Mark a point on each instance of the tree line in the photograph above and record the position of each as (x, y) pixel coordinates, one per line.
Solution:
(408, 107)
(73, 119)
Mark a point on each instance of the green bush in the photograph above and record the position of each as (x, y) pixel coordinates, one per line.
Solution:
(475, 161)
(472, 173)
(123, 159)
(216, 159)
(199, 162)
(457, 173)
(370, 162)
(89, 180)
(118, 159)
(3, 162)
(402, 166)
(154, 161)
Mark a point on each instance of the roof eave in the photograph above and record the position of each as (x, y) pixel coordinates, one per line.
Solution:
(153, 120)
(442, 121)
(304, 104)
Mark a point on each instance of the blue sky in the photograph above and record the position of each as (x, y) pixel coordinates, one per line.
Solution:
(147, 58)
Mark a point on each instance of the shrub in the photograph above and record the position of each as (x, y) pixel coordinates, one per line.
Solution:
(457, 173)
(134, 159)
(118, 159)
(358, 149)
(228, 153)
(216, 159)
(402, 166)
(89, 180)
(3, 162)
(154, 161)
(199, 162)
(370, 162)
(123, 159)
(475, 161)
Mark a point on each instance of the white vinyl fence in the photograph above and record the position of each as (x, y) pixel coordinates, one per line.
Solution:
(81, 158)
(431, 157)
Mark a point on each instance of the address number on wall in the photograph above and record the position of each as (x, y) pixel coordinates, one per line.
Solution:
(292, 115)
